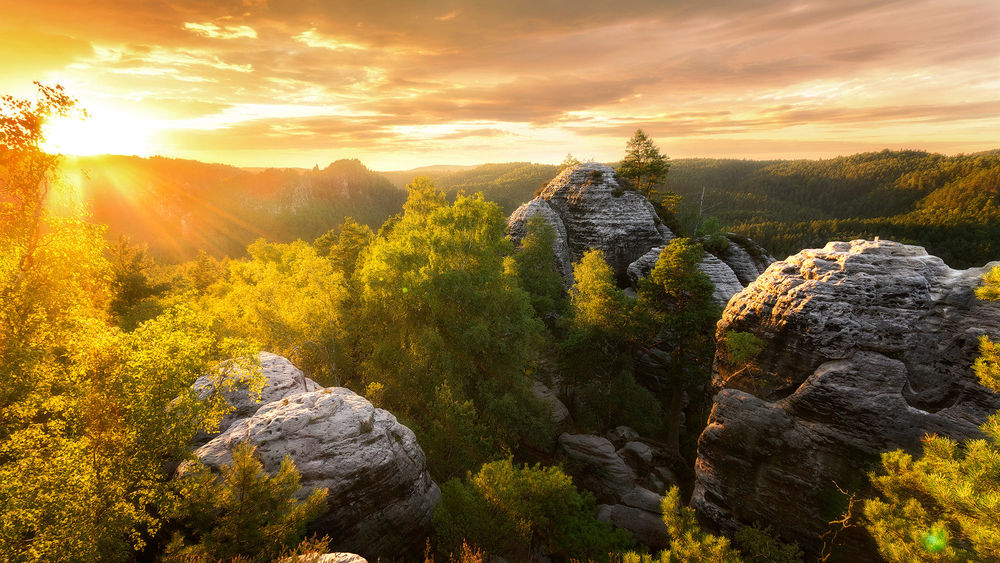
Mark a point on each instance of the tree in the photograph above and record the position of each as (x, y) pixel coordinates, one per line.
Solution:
(596, 352)
(943, 506)
(344, 246)
(520, 512)
(534, 267)
(133, 289)
(688, 542)
(288, 299)
(247, 513)
(442, 324)
(644, 164)
(91, 418)
(676, 297)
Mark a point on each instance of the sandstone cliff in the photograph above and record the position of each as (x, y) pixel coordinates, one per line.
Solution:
(868, 347)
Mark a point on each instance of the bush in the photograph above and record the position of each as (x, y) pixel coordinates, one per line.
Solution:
(520, 512)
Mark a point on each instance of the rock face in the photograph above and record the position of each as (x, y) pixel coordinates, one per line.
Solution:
(589, 209)
(380, 493)
(868, 347)
(281, 379)
(611, 471)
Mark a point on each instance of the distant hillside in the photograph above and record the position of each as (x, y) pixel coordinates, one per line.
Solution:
(400, 178)
(510, 184)
(179, 207)
(950, 205)
(947, 204)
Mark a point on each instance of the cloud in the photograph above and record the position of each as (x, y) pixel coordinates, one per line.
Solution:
(221, 32)
(374, 76)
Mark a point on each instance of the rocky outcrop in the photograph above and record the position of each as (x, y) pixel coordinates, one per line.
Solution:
(730, 269)
(867, 347)
(280, 379)
(589, 209)
(623, 477)
(380, 493)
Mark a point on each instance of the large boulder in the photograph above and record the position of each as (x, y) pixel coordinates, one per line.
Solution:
(588, 208)
(867, 347)
(380, 493)
(280, 378)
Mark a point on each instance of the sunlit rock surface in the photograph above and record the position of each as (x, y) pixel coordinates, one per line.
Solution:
(380, 493)
(868, 347)
(589, 209)
(280, 378)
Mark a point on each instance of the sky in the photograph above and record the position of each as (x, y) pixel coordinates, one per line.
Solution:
(403, 84)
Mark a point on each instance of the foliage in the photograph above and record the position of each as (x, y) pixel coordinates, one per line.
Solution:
(714, 239)
(519, 512)
(248, 513)
(82, 471)
(134, 291)
(288, 299)
(943, 506)
(90, 417)
(742, 347)
(677, 298)
(758, 544)
(595, 351)
(534, 267)
(644, 164)
(688, 542)
(344, 246)
(443, 325)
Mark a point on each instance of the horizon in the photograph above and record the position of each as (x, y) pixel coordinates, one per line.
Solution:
(292, 86)
(322, 165)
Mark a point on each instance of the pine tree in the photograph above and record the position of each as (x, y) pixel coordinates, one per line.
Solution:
(644, 164)
(248, 513)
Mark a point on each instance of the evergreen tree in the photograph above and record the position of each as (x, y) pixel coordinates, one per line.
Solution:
(644, 164)
(534, 266)
(676, 297)
(247, 513)
(345, 245)
(520, 512)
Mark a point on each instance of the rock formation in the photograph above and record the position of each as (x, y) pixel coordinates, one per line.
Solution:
(867, 347)
(281, 379)
(380, 493)
(624, 475)
(589, 209)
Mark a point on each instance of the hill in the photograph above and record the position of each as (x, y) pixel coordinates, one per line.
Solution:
(179, 207)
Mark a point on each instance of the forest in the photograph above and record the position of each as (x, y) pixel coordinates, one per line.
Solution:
(419, 301)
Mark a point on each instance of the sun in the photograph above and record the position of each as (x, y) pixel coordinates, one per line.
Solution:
(103, 132)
